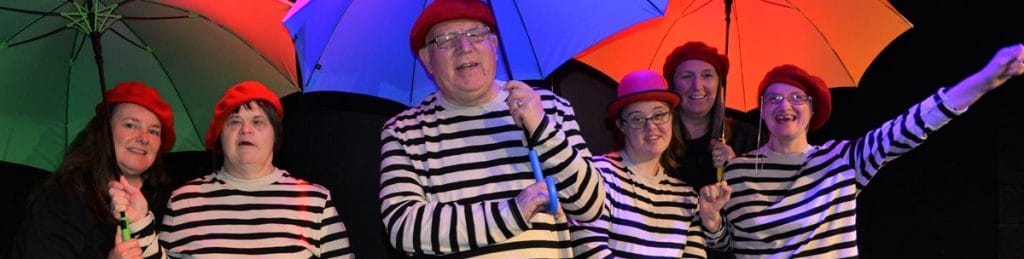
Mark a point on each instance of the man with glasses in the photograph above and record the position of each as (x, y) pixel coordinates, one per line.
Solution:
(455, 175)
(793, 199)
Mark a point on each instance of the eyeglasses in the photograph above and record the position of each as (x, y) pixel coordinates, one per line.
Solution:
(451, 39)
(638, 122)
(795, 99)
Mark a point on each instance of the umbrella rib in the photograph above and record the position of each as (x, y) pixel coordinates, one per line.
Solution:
(656, 6)
(154, 18)
(243, 41)
(49, 13)
(821, 34)
(328, 43)
(536, 60)
(41, 15)
(129, 40)
(739, 49)
(55, 31)
(686, 12)
(169, 78)
(412, 85)
(77, 50)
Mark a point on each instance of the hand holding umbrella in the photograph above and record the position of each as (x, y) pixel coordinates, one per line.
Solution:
(526, 109)
(127, 248)
(126, 233)
(720, 152)
(128, 202)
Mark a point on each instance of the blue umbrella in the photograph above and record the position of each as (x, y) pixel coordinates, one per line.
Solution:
(362, 46)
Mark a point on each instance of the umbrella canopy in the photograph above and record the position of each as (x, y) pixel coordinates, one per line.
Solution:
(189, 50)
(836, 40)
(362, 46)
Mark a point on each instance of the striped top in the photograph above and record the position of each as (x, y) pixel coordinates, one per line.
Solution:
(275, 216)
(804, 205)
(644, 216)
(450, 175)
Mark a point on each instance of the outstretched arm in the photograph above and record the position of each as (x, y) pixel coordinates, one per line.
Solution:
(1006, 64)
(908, 130)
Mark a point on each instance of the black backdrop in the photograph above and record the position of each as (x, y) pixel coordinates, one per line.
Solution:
(959, 195)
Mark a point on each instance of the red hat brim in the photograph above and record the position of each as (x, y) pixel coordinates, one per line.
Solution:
(147, 97)
(821, 98)
(235, 96)
(667, 96)
(446, 10)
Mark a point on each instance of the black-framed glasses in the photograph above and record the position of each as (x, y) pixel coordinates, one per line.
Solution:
(795, 99)
(639, 121)
(451, 39)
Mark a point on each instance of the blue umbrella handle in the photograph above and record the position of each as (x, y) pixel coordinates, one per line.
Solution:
(552, 196)
(538, 174)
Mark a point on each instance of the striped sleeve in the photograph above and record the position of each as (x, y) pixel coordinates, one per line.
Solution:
(145, 231)
(565, 156)
(898, 136)
(333, 236)
(590, 239)
(421, 226)
(696, 245)
(722, 240)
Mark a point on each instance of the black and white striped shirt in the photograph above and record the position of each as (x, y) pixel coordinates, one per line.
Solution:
(804, 205)
(644, 216)
(450, 175)
(276, 216)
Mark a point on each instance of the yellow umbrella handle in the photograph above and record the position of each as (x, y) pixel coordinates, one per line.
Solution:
(719, 171)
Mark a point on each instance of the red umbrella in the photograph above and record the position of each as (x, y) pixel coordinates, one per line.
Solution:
(836, 40)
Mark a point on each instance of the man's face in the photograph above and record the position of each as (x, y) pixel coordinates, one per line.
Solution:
(465, 70)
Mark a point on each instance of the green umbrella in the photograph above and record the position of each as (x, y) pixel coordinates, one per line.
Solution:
(52, 73)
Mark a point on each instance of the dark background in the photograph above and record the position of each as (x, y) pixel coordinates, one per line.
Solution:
(959, 195)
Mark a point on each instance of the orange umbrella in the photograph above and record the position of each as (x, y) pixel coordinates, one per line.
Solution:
(834, 39)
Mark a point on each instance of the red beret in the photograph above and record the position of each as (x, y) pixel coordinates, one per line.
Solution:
(237, 95)
(810, 84)
(145, 96)
(699, 51)
(445, 10)
(641, 85)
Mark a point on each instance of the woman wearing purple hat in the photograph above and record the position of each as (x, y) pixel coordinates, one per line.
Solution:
(647, 212)
(794, 199)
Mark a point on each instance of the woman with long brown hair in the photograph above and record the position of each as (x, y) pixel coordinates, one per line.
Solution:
(72, 215)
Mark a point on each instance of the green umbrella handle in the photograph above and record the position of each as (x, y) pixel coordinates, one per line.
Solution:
(126, 233)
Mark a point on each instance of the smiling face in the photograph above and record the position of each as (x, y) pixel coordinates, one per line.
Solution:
(697, 82)
(248, 136)
(785, 120)
(465, 72)
(652, 138)
(136, 133)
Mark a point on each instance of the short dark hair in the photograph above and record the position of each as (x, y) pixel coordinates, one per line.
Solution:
(272, 116)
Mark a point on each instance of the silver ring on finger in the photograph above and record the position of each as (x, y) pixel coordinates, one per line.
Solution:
(519, 102)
